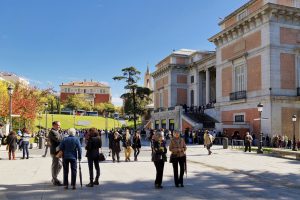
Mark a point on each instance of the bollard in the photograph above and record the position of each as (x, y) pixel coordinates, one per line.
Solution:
(225, 143)
(41, 142)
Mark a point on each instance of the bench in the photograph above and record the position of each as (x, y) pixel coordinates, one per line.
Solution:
(284, 153)
(237, 143)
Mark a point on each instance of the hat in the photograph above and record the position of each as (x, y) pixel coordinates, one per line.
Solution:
(72, 131)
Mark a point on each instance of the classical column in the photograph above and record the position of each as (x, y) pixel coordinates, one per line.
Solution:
(207, 94)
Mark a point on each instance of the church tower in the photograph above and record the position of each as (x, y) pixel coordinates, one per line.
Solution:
(148, 81)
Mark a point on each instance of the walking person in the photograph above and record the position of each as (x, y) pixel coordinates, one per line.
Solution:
(11, 145)
(115, 146)
(136, 144)
(127, 146)
(208, 141)
(25, 142)
(71, 148)
(55, 139)
(178, 156)
(93, 144)
(248, 142)
(47, 145)
(159, 157)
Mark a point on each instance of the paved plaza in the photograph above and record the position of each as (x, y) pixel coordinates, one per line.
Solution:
(226, 174)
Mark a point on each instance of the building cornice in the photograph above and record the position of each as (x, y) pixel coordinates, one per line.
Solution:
(269, 12)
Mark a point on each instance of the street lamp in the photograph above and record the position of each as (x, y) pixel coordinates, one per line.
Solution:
(294, 119)
(260, 107)
(40, 117)
(46, 106)
(10, 90)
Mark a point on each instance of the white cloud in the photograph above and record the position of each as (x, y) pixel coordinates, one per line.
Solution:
(117, 101)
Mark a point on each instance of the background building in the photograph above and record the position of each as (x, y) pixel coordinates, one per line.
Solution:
(94, 92)
(13, 78)
(257, 59)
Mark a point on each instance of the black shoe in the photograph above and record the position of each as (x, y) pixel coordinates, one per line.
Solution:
(27, 158)
(160, 187)
(96, 182)
(176, 185)
(90, 185)
(73, 187)
(181, 185)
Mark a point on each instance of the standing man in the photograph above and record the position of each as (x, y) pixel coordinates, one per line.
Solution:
(248, 142)
(55, 139)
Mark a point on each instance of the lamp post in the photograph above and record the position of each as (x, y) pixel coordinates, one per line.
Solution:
(294, 119)
(40, 117)
(52, 117)
(46, 106)
(10, 90)
(260, 107)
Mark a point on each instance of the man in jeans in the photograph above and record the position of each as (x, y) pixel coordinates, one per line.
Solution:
(55, 139)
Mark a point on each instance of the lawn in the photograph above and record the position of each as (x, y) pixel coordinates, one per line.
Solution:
(67, 121)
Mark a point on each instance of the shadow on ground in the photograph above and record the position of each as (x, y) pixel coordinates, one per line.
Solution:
(207, 185)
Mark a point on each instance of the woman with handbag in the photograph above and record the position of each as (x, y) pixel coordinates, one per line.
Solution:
(11, 145)
(136, 144)
(159, 157)
(178, 149)
(115, 146)
(94, 143)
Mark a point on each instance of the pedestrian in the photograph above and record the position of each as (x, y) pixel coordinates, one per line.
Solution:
(25, 142)
(127, 146)
(208, 141)
(1, 134)
(115, 146)
(47, 145)
(93, 144)
(55, 139)
(71, 149)
(11, 145)
(178, 156)
(136, 144)
(248, 142)
(159, 157)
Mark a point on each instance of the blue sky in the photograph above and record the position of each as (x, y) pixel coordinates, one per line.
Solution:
(55, 41)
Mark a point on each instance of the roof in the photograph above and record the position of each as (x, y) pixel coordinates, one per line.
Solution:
(85, 84)
(186, 52)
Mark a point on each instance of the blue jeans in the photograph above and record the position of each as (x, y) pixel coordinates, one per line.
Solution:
(73, 164)
(25, 149)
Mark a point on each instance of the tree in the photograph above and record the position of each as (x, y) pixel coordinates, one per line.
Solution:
(136, 94)
(104, 107)
(77, 102)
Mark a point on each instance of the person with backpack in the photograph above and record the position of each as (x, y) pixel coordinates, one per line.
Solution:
(12, 145)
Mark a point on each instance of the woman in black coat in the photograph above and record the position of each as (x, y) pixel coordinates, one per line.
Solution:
(12, 145)
(159, 157)
(93, 144)
(115, 146)
(136, 144)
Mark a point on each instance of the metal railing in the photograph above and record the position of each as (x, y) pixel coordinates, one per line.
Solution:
(238, 95)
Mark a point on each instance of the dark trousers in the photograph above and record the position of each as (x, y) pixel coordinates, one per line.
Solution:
(115, 153)
(73, 163)
(247, 146)
(91, 162)
(136, 152)
(175, 163)
(25, 149)
(159, 165)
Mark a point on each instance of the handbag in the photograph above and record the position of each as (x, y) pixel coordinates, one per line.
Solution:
(59, 154)
(101, 157)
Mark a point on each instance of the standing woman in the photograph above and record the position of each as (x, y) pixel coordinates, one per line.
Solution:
(115, 146)
(93, 144)
(11, 145)
(159, 157)
(178, 149)
(25, 142)
(127, 146)
(208, 141)
(136, 144)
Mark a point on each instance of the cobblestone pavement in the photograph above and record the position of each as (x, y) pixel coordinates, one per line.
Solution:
(226, 174)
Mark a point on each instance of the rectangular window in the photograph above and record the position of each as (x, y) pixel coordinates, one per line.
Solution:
(69, 90)
(91, 90)
(192, 79)
(239, 118)
(239, 75)
(66, 89)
